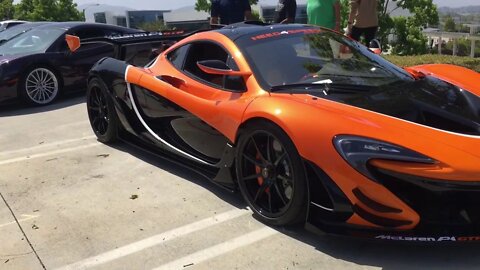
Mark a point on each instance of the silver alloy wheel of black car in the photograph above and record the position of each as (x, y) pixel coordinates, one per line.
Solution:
(270, 175)
(41, 86)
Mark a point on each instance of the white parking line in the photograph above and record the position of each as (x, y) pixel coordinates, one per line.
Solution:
(60, 151)
(46, 145)
(26, 217)
(220, 249)
(155, 240)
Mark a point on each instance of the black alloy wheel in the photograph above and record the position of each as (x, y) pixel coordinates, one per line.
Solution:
(101, 112)
(270, 175)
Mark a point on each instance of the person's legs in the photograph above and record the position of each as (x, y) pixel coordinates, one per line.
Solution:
(356, 33)
(370, 33)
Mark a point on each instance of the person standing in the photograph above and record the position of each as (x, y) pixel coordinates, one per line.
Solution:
(363, 20)
(230, 11)
(324, 13)
(286, 11)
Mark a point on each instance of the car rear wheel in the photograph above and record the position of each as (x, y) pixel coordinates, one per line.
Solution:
(40, 86)
(101, 112)
(271, 176)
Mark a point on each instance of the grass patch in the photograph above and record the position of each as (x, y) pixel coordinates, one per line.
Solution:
(404, 61)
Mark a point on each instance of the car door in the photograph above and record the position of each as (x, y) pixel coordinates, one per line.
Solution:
(197, 112)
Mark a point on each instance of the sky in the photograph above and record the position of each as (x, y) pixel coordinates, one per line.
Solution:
(173, 4)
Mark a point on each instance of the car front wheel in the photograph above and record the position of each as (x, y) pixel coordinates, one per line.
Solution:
(270, 175)
(40, 86)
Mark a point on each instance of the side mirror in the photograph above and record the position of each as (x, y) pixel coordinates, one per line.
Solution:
(375, 46)
(415, 73)
(218, 67)
(73, 42)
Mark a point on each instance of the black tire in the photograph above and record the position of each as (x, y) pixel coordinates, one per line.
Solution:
(271, 175)
(40, 86)
(101, 112)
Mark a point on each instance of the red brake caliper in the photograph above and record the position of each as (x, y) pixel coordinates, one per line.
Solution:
(258, 170)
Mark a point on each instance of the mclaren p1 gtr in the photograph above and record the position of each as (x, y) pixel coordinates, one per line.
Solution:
(310, 126)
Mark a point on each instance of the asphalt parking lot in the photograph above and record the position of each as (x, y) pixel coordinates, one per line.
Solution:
(69, 202)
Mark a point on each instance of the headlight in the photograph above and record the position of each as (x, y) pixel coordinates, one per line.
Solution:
(357, 151)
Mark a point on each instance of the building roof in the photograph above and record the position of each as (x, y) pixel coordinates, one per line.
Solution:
(185, 14)
(91, 9)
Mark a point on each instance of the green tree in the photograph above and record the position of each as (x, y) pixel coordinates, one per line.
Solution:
(23, 9)
(6, 9)
(47, 10)
(43, 10)
(205, 5)
(449, 25)
(67, 11)
(409, 29)
(463, 29)
(153, 26)
(409, 37)
(256, 16)
(344, 12)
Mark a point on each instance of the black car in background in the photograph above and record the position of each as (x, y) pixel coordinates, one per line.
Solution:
(37, 66)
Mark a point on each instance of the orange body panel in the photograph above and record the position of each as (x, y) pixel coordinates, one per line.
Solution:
(460, 76)
(221, 109)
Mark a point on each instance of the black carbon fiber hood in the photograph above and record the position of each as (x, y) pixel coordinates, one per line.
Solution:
(428, 101)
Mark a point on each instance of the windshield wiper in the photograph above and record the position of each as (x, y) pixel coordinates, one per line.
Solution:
(326, 88)
(14, 36)
(305, 86)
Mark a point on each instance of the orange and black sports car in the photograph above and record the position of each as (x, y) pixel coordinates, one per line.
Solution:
(311, 127)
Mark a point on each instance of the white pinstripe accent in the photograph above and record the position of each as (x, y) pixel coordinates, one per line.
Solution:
(139, 116)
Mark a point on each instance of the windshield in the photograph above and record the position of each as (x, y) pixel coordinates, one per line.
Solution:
(15, 31)
(33, 41)
(315, 56)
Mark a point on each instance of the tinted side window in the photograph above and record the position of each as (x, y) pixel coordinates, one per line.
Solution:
(89, 33)
(205, 51)
(235, 83)
(111, 32)
(92, 48)
(140, 54)
(186, 57)
(177, 57)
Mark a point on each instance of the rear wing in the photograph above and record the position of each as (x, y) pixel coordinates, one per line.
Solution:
(136, 49)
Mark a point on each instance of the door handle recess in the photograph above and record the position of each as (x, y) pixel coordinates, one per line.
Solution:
(173, 81)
